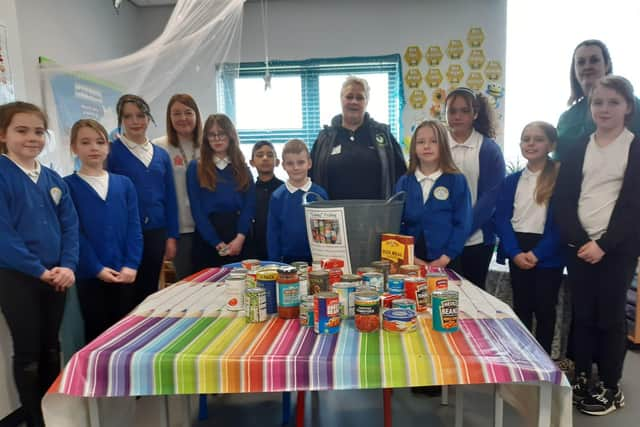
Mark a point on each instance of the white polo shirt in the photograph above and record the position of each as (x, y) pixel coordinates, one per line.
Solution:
(426, 182)
(144, 151)
(528, 215)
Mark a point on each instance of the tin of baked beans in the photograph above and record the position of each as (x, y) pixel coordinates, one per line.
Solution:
(415, 288)
(399, 320)
(266, 279)
(383, 266)
(445, 310)
(288, 293)
(410, 270)
(234, 288)
(255, 305)
(346, 298)
(396, 284)
(375, 280)
(326, 313)
(318, 281)
(437, 280)
(306, 311)
(405, 303)
(367, 311)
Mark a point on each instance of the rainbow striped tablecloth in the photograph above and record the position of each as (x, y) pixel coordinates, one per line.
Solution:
(182, 340)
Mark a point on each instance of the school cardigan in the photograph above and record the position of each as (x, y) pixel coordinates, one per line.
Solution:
(38, 223)
(110, 232)
(444, 219)
(548, 250)
(225, 198)
(286, 224)
(623, 230)
(156, 191)
(492, 172)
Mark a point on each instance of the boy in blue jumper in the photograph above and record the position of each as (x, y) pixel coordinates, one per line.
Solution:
(286, 226)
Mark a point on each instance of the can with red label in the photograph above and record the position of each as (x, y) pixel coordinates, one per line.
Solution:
(326, 313)
(415, 288)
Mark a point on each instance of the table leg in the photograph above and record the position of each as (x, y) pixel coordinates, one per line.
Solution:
(459, 406)
(544, 410)
(300, 409)
(286, 407)
(164, 421)
(203, 410)
(94, 412)
(444, 397)
(386, 398)
(498, 407)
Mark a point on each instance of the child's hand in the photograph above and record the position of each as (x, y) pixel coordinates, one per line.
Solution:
(170, 249)
(441, 262)
(127, 275)
(235, 246)
(590, 252)
(63, 278)
(47, 277)
(523, 262)
(531, 257)
(108, 275)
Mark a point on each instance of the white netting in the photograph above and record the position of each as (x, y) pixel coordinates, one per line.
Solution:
(199, 36)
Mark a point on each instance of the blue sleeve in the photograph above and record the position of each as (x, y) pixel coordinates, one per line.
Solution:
(88, 262)
(203, 226)
(502, 218)
(134, 229)
(69, 228)
(492, 170)
(550, 242)
(171, 200)
(248, 210)
(13, 251)
(274, 246)
(461, 220)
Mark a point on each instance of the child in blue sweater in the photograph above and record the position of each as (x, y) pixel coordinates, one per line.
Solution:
(528, 234)
(287, 239)
(149, 167)
(476, 154)
(38, 253)
(110, 233)
(437, 211)
(221, 194)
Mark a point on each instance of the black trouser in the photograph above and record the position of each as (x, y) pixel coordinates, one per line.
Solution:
(205, 255)
(183, 262)
(148, 277)
(473, 263)
(535, 291)
(599, 294)
(33, 311)
(103, 304)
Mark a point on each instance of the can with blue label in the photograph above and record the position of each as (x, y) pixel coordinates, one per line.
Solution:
(346, 295)
(399, 320)
(374, 280)
(267, 279)
(395, 286)
(445, 310)
(326, 313)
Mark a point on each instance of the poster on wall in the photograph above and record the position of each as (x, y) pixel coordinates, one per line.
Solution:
(7, 89)
(68, 98)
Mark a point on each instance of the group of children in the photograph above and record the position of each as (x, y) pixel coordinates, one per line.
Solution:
(109, 228)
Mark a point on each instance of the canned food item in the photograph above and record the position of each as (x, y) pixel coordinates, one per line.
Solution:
(362, 270)
(266, 278)
(399, 320)
(306, 311)
(335, 274)
(345, 293)
(375, 280)
(437, 280)
(255, 305)
(383, 266)
(238, 271)
(234, 288)
(367, 311)
(351, 278)
(326, 313)
(288, 293)
(250, 264)
(387, 299)
(410, 270)
(405, 303)
(396, 284)
(318, 281)
(415, 288)
(445, 310)
(331, 263)
(303, 276)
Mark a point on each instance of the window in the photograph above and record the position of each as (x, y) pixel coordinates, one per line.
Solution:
(304, 96)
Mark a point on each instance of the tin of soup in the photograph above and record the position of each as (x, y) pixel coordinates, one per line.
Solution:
(445, 310)
(326, 313)
(367, 311)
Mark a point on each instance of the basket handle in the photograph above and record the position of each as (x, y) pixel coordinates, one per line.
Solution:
(401, 196)
(306, 195)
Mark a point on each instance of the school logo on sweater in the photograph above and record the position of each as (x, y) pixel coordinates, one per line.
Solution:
(441, 193)
(56, 194)
(380, 139)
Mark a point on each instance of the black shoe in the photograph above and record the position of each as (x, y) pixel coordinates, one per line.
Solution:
(602, 404)
(580, 388)
(432, 390)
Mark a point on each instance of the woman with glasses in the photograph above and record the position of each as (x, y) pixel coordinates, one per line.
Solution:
(221, 194)
(182, 142)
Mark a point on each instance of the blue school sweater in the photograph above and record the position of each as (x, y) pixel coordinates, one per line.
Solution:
(492, 172)
(38, 223)
(226, 198)
(157, 203)
(286, 226)
(110, 233)
(445, 220)
(548, 250)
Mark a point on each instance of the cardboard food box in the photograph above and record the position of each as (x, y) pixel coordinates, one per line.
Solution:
(398, 249)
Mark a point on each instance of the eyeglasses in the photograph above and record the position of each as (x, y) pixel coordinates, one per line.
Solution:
(215, 136)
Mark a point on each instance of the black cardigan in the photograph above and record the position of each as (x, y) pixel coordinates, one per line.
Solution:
(623, 230)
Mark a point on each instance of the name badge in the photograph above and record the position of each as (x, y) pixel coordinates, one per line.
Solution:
(441, 193)
(336, 150)
(56, 194)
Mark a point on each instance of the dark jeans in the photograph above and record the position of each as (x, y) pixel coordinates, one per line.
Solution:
(33, 311)
(535, 292)
(151, 264)
(599, 293)
(103, 304)
(473, 263)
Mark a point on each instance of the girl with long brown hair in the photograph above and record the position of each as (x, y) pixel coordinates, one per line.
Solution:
(221, 194)
(528, 234)
(437, 212)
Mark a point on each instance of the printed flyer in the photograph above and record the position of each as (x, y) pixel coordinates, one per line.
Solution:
(327, 232)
